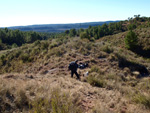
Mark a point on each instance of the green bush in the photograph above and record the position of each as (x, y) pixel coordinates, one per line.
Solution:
(36, 43)
(17, 53)
(57, 51)
(84, 35)
(2, 60)
(35, 51)
(83, 50)
(40, 105)
(14, 45)
(107, 49)
(95, 81)
(53, 44)
(131, 40)
(24, 57)
(44, 45)
(95, 69)
(131, 26)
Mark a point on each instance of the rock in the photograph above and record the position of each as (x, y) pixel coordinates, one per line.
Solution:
(136, 73)
(86, 74)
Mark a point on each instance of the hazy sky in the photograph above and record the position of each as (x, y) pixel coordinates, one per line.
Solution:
(29, 12)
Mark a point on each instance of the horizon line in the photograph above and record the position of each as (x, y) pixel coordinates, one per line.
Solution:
(58, 23)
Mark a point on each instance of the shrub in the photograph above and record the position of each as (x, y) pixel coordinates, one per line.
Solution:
(35, 51)
(83, 50)
(36, 43)
(1, 41)
(44, 45)
(96, 69)
(142, 99)
(72, 32)
(57, 51)
(2, 60)
(14, 45)
(84, 35)
(131, 26)
(40, 105)
(131, 40)
(107, 49)
(24, 57)
(53, 44)
(22, 101)
(95, 81)
(17, 53)
(58, 103)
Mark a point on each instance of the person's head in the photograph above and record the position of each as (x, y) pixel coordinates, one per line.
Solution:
(76, 61)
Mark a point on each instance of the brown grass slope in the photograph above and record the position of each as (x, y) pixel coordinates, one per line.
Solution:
(35, 78)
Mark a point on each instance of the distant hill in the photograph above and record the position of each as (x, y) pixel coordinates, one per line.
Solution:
(58, 27)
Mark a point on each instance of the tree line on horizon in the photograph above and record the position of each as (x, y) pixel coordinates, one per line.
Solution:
(96, 32)
(14, 38)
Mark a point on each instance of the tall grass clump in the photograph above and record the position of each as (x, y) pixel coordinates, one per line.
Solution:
(95, 77)
(57, 103)
(95, 81)
(107, 49)
(142, 99)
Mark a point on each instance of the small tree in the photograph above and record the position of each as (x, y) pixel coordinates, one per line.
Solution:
(131, 40)
(131, 26)
(14, 45)
(67, 32)
(72, 32)
(84, 35)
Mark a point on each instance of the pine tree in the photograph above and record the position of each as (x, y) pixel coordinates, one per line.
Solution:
(131, 40)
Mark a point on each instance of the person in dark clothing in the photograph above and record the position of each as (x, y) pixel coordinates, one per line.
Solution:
(73, 66)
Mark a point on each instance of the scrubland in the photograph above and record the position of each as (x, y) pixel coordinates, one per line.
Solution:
(35, 77)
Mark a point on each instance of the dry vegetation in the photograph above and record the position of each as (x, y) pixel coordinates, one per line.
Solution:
(35, 78)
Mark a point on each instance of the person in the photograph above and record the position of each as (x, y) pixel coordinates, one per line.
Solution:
(73, 66)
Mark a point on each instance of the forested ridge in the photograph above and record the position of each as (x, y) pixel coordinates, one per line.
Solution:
(15, 38)
(96, 32)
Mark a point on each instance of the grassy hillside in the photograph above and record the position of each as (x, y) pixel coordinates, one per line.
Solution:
(35, 77)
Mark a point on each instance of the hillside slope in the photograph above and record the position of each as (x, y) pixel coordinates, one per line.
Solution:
(35, 77)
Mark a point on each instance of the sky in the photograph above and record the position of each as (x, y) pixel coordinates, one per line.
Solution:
(30, 12)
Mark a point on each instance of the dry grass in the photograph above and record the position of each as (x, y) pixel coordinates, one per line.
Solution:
(51, 93)
(45, 84)
(35, 96)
